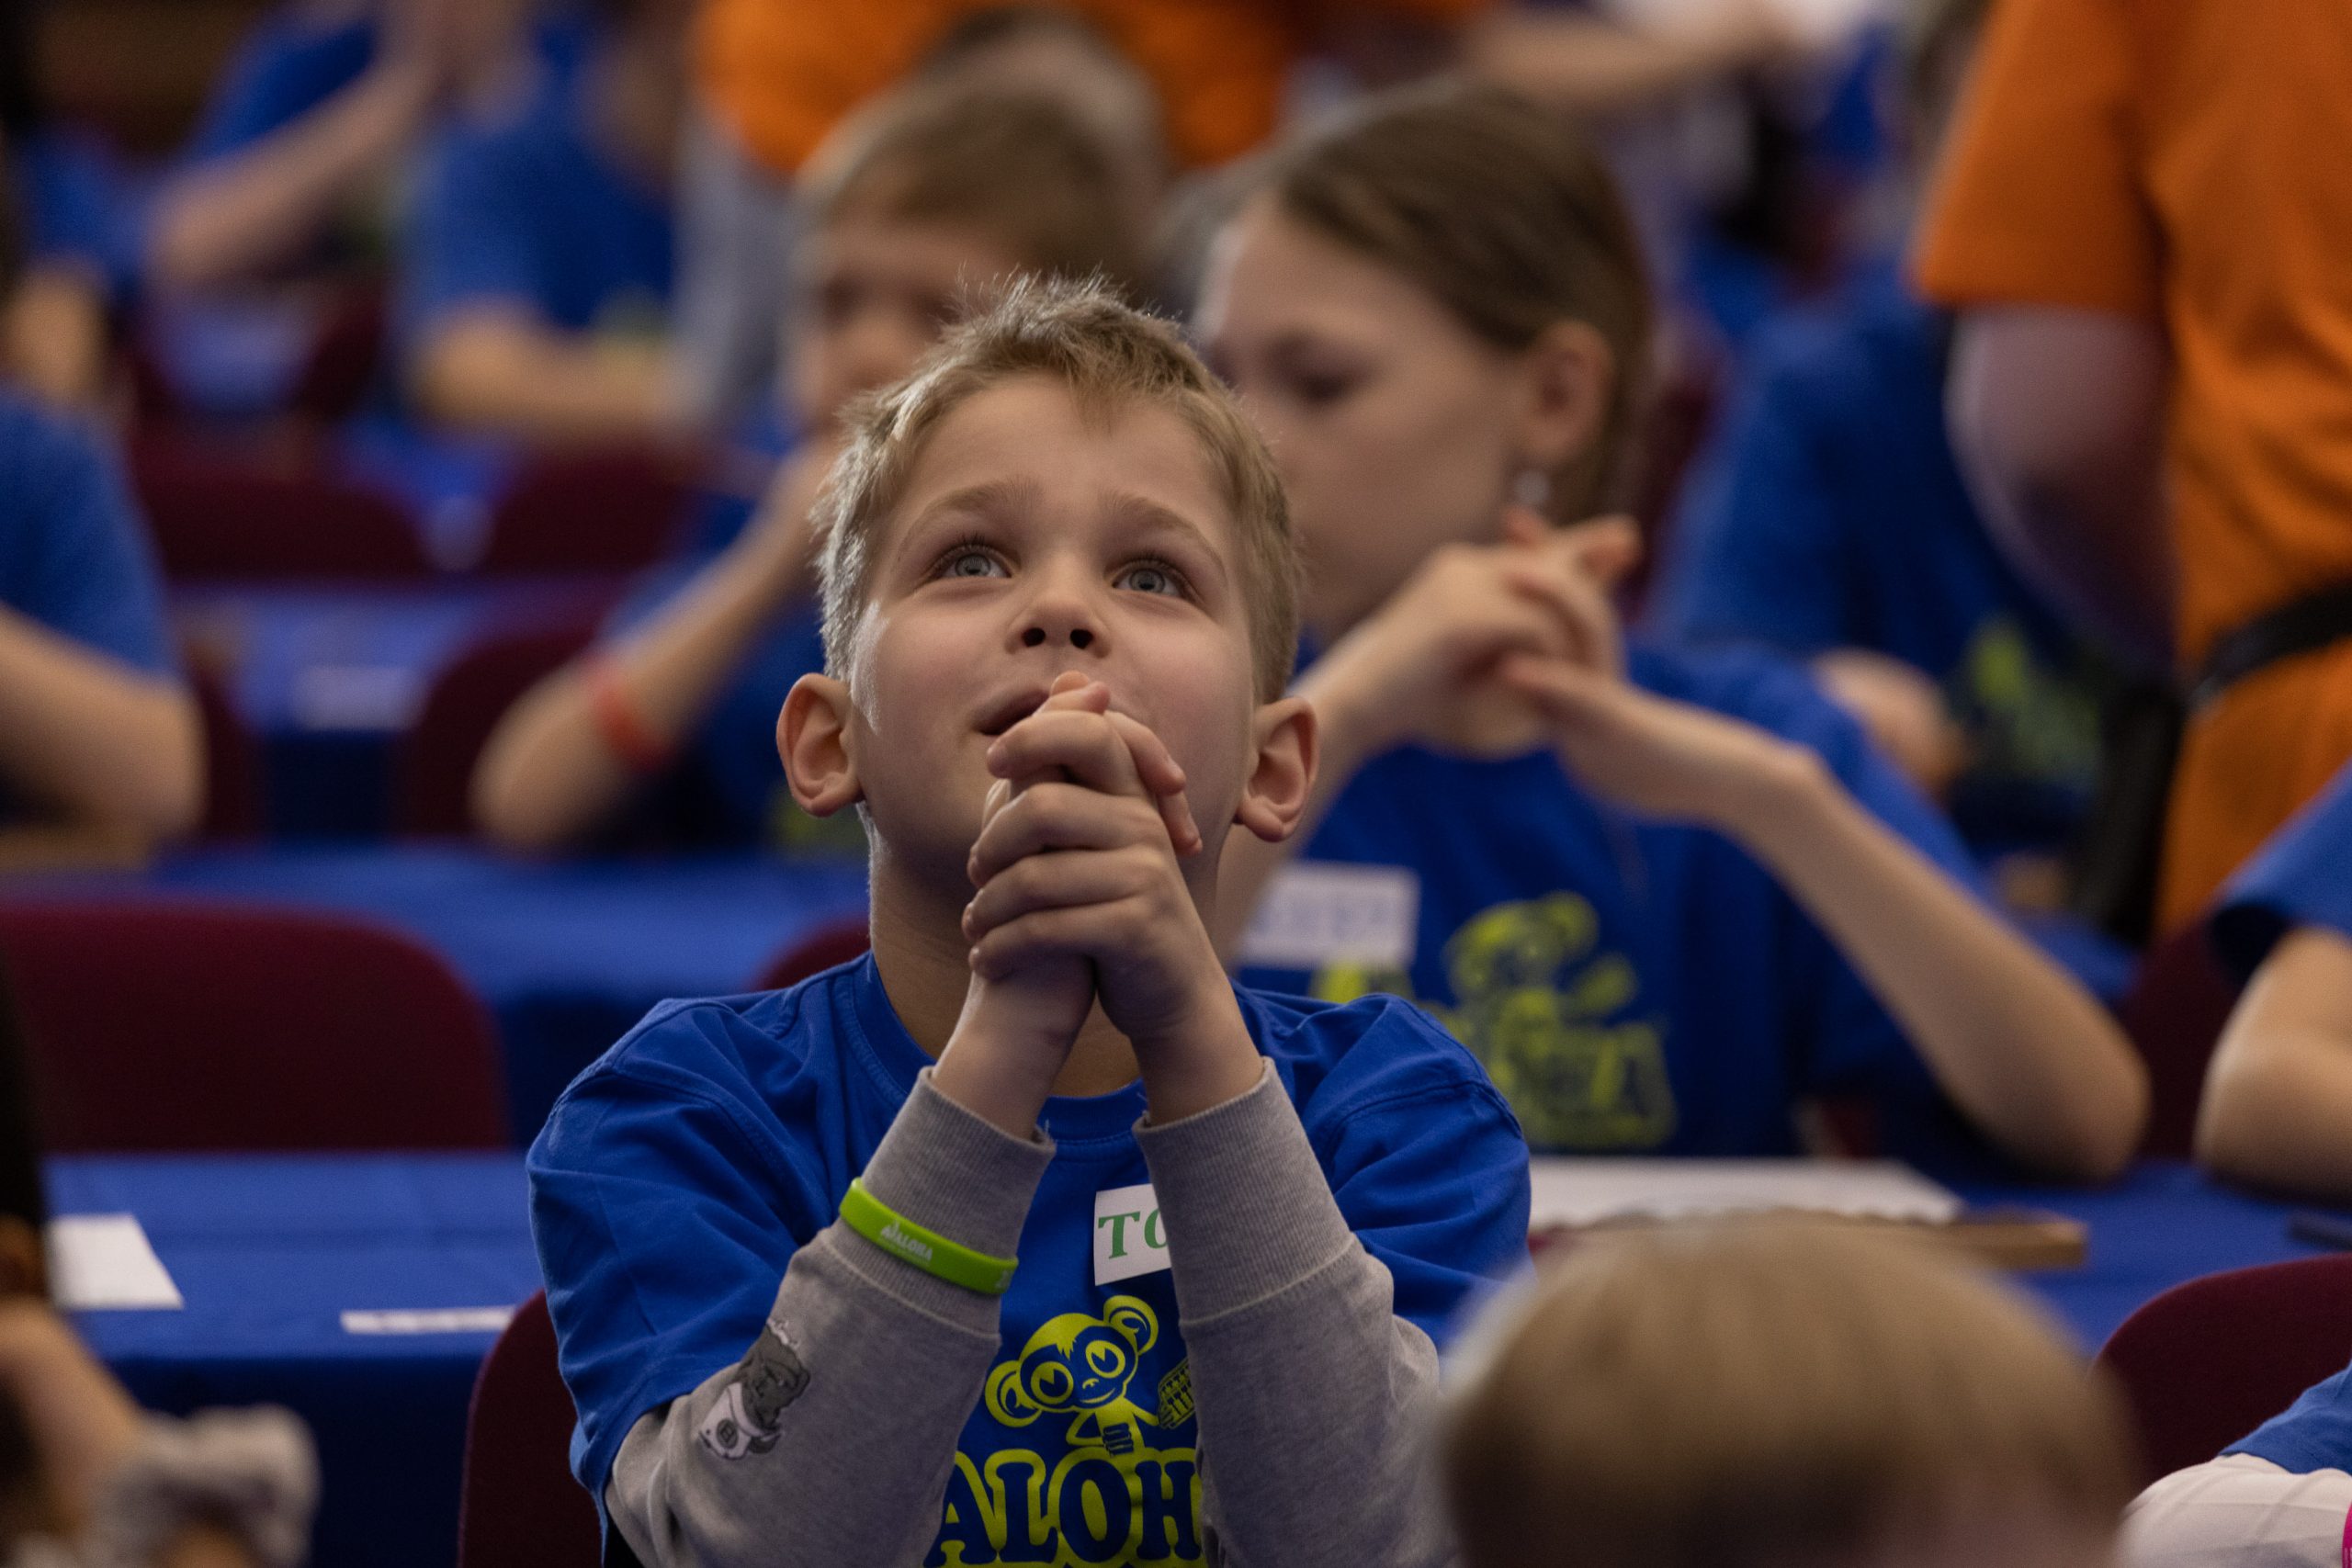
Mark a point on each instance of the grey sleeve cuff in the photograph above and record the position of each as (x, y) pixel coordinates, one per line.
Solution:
(951, 1172)
(1248, 1211)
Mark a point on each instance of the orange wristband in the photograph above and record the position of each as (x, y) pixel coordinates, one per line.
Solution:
(625, 734)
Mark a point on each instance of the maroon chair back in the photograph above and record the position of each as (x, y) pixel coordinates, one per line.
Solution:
(232, 770)
(174, 1026)
(434, 771)
(222, 516)
(520, 1506)
(2208, 1361)
(608, 511)
(820, 950)
(2179, 1000)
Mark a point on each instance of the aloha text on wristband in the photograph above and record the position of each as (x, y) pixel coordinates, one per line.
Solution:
(927, 1250)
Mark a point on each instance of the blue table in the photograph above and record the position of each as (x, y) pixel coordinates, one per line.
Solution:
(330, 677)
(268, 1253)
(2162, 1223)
(568, 954)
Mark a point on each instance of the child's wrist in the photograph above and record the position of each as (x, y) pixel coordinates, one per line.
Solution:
(1198, 1059)
(1769, 804)
(1352, 723)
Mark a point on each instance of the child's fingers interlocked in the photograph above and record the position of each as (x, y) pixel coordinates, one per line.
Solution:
(1074, 735)
(1053, 816)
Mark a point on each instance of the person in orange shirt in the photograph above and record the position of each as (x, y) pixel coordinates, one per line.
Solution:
(2144, 230)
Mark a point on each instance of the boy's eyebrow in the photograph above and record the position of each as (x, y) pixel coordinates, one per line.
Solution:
(993, 496)
(1143, 513)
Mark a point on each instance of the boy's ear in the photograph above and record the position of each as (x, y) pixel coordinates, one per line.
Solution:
(812, 737)
(1569, 374)
(1281, 774)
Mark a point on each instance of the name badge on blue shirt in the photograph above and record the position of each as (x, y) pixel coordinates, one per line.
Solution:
(1316, 913)
(1128, 1237)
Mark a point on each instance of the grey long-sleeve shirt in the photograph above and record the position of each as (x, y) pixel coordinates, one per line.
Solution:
(833, 1441)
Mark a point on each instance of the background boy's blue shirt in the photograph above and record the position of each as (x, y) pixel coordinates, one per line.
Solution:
(1830, 513)
(677, 1176)
(2314, 1433)
(1634, 986)
(531, 211)
(78, 209)
(2303, 877)
(72, 554)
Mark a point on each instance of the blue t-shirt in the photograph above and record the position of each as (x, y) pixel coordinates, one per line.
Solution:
(531, 211)
(77, 208)
(2313, 1433)
(675, 1179)
(296, 59)
(2301, 878)
(1633, 986)
(72, 554)
(1829, 513)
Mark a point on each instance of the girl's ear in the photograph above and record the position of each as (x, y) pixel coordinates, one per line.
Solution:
(1275, 795)
(1569, 375)
(812, 737)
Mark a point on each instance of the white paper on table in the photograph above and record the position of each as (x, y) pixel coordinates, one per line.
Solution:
(428, 1320)
(104, 1262)
(1588, 1191)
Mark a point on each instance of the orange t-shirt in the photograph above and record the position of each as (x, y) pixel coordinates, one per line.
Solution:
(781, 73)
(2183, 161)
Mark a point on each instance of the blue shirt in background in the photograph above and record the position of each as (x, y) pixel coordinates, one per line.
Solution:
(2301, 878)
(78, 207)
(1633, 986)
(1829, 513)
(532, 211)
(73, 556)
(2313, 1433)
(677, 1176)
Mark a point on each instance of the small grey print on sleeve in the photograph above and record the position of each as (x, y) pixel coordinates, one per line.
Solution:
(744, 1419)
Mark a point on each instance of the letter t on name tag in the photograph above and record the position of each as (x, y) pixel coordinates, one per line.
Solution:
(1128, 1237)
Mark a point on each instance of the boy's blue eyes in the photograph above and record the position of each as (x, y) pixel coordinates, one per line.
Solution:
(973, 563)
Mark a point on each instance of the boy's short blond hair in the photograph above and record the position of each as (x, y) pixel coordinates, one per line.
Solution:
(1745, 1395)
(1113, 359)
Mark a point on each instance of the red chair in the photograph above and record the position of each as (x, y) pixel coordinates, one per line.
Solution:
(171, 1026)
(609, 510)
(434, 771)
(2208, 1361)
(820, 950)
(232, 769)
(220, 515)
(2179, 1000)
(520, 1506)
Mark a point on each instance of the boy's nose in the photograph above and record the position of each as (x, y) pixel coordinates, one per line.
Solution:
(1059, 616)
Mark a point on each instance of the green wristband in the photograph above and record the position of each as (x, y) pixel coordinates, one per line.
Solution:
(927, 1250)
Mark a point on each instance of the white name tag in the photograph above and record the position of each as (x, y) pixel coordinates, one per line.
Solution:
(1319, 912)
(1128, 1237)
(429, 1320)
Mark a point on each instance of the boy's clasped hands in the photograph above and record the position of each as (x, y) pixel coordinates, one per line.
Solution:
(1083, 898)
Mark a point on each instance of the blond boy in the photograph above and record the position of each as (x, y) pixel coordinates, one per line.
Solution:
(1130, 1265)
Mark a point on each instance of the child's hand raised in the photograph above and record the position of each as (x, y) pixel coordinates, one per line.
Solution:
(1077, 863)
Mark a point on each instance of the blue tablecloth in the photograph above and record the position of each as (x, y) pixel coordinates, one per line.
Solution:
(329, 678)
(268, 1253)
(2162, 1223)
(568, 954)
